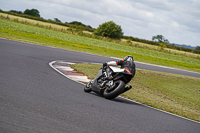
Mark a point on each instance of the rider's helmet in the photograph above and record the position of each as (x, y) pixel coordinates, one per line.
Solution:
(128, 58)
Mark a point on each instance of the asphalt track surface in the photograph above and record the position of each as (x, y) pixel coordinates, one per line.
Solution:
(34, 98)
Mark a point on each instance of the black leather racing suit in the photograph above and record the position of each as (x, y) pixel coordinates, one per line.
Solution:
(128, 66)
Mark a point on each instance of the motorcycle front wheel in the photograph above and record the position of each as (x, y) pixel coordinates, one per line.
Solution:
(87, 87)
(113, 92)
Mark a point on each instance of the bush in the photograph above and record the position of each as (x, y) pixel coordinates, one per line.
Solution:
(109, 29)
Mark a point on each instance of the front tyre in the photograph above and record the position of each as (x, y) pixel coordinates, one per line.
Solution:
(87, 87)
(113, 92)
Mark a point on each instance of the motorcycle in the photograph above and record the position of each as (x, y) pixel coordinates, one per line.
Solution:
(107, 88)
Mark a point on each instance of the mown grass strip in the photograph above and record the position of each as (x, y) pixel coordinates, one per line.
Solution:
(169, 92)
(29, 33)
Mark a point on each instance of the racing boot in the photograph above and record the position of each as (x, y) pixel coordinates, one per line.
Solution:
(127, 88)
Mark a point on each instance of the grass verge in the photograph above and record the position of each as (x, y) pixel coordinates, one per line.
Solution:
(173, 93)
(48, 37)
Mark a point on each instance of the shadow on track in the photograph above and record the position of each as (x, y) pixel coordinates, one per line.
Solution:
(126, 101)
(118, 99)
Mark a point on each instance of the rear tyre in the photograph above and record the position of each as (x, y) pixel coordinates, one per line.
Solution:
(113, 92)
(87, 87)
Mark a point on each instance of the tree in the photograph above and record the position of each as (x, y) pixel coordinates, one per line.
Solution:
(160, 38)
(109, 29)
(88, 26)
(57, 20)
(19, 12)
(198, 48)
(77, 23)
(32, 12)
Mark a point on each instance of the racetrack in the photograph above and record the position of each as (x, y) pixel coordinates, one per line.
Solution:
(35, 98)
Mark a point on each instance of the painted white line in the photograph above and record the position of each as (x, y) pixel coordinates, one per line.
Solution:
(63, 68)
(75, 79)
(79, 78)
(160, 110)
(64, 62)
(70, 63)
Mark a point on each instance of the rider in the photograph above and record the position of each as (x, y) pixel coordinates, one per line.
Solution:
(127, 64)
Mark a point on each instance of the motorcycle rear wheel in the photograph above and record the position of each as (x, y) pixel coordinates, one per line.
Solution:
(111, 93)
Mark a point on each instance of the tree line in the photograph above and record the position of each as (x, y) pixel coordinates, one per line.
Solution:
(36, 13)
(108, 29)
(32, 12)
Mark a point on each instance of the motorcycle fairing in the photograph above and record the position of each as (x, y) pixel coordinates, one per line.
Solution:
(116, 69)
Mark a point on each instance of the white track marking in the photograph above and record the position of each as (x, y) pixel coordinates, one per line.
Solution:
(79, 78)
(63, 68)
(75, 78)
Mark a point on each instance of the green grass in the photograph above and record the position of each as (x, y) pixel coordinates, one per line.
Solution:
(153, 47)
(12, 17)
(170, 92)
(43, 36)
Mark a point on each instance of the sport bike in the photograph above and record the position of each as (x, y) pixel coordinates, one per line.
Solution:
(110, 88)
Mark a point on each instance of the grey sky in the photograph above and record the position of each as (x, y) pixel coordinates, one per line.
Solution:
(177, 20)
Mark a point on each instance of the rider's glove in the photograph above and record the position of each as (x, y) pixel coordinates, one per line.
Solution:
(105, 64)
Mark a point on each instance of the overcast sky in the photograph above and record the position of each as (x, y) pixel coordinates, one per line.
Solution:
(177, 20)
